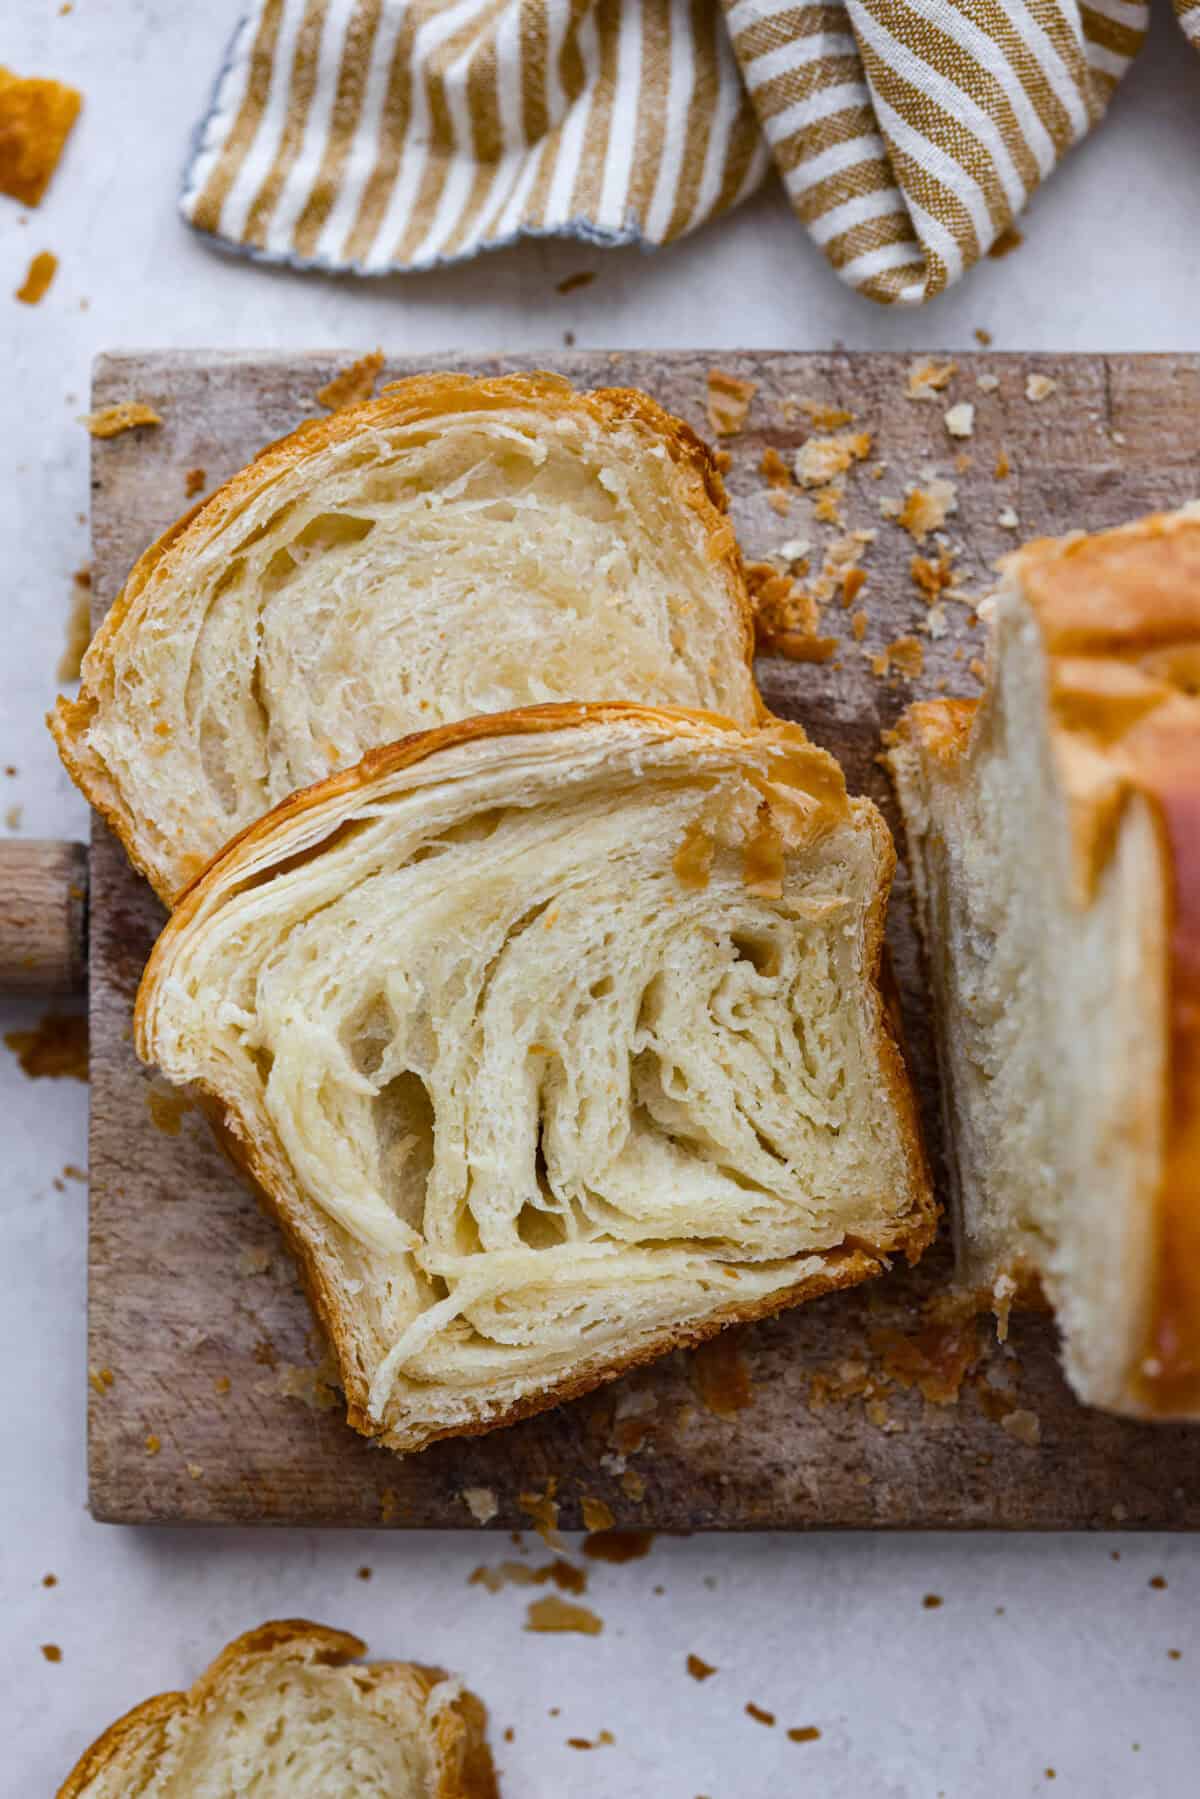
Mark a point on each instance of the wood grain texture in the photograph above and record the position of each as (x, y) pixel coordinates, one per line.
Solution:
(192, 1302)
(43, 915)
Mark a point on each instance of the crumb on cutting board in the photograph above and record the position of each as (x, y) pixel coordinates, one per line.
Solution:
(728, 402)
(127, 415)
(36, 117)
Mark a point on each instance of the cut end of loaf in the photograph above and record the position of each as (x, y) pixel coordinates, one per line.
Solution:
(538, 1090)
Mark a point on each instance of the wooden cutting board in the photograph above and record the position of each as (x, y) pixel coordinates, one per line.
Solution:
(214, 1411)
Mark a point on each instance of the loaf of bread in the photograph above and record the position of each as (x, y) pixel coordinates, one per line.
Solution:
(285, 1713)
(555, 1041)
(454, 547)
(1054, 832)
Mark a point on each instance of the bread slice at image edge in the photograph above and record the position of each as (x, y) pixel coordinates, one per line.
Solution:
(630, 926)
(454, 546)
(1054, 837)
(424, 1733)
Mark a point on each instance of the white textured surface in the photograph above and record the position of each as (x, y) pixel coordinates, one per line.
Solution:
(961, 1700)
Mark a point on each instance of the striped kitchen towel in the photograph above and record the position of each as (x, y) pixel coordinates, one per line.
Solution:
(375, 135)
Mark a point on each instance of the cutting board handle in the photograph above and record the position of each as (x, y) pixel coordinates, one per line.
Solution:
(43, 915)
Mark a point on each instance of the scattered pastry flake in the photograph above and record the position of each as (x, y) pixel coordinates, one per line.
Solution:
(785, 616)
(925, 509)
(858, 624)
(1158, 1582)
(35, 121)
(354, 384)
(934, 1359)
(804, 1733)
(596, 1515)
(605, 1737)
(906, 655)
(722, 461)
(820, 460)
(1010, 239)
(633, 1486)
(826, 418)
(721, 1377)
(827, 505)
(779, 502)
(932, 1601)
(758, 1714)
(774, 469)
(854, 579)
(618, 1545)
(1039, 387)
(499, 1575)
(933, 578)
(553, 1613)
(634, 1414)
(570, 283)
(195, 1470)
(38, 276)
(194, 482)
(543, 1510)
(79, 627)
(389, 1505)
(153, 1444)
(110, 421)
(222, 1384)
(1003, 468)
(364, 1573)
(728, 402)
(1024, 1425)
(13, 816)
(55, 1049)
(795, 551)
(481, 1503)
(253, 1260)
(698, 1668)
(51, 1580)
(313, 1386)
(166, 1106)
(52, 1652)
(928, 379)
(982, 337)
(960, 420)
(101, 1379)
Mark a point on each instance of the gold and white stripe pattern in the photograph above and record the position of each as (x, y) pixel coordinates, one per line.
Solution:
(376, 135)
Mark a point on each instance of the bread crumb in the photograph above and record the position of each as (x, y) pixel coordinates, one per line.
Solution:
(195, 1470)
(853, 581)
(101, 1379)
(1118, 437)
(364, 1573)
(110, 421)
(596, 1515)
(12, 822)
(906, 655)
(543, 1510)
(481, 1503)
(1010, 239)
(555, 1614)
(721, 1377)
(698, 1668)
(1008, 519)
(819, 460)
(1024, 1426)
(928, 379)
(933, 578)
(36, 117)
(252, 1261)
(793, 550)
(618, 1546)
(40, 273)
(55, 1049)
(977, 668)
(926, 509)
(825, 418)
(1003, 468)
(51, 1580)
(774, 469)
(982, 337)
(728, 402)
(52, 1652)
(194, 482)
(1175, 1655)
(79, 627)
(960, 419)
(166, 1106)
(570, 283)
(722, 461)
(222, 1384)
(858, 625)
(1039, 387)
(604, 1738)
(780, 503)
(987, 383)
(1158, 1583)
(314, 1386)
(932, 1601)
(633, 1486)
(153, 1444)
(758, 1714)
(355, 383)
(804, 1733)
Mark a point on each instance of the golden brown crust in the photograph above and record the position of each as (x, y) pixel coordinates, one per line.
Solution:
(464, 1770)
(842, 1267)
(402, 403)
(941, 728)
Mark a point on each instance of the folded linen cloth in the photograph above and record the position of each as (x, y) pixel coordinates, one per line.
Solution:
(376, 135)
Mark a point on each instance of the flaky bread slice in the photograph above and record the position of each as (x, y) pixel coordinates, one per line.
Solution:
(1054, 831)
(285, 1712)
(555, 1041)
(456, 546)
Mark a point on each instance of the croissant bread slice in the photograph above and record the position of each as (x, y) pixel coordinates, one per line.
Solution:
(455, 546)
(554, 1039)
(285, 1712)
(1054, 831)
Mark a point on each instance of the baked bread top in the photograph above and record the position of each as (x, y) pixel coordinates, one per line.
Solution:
(554, 1039)
(455, 546)
(1115, 623)
(285, 1712)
